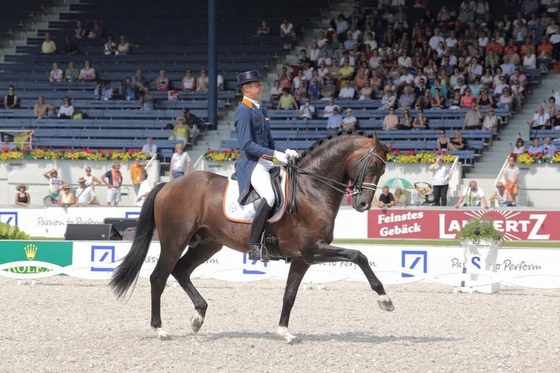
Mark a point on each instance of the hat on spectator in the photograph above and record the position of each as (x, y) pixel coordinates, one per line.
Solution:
(24, 186)
(81, 180)
(248, 77)
(66, 186)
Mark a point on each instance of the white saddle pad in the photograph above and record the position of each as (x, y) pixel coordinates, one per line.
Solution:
(245, 214)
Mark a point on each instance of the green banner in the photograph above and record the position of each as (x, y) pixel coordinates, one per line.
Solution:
(58, 253)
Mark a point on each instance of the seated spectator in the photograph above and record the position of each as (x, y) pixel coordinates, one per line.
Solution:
(530, 61)
(306, 111)
(124, 47)
(87, 73)
(467, 99)
(551, 107)
(424, 101)
(113, 179)
(67, 197)
(193, 122)
(79, 30)
(72, 73)
(501, 196)
(400, 198)
(69, 48)
(348, 92)
(437, 100)
(56, 74)
(314, 90)
(485, 101)
(301, 91)
(385, 199)
(549, 149)
(22, 198)
(519, 147)
(407, 99)
(181, 131)
(472, 118)
(162, 82)
(48, 46)
(149, 147)
(146, 101)
(536, 148)
(188, 83)
(90, 179)
(405, 121)
(219, 82)
(264, 29)
(55, 185)
(366, 93)
(144, 189)
(85, 195)
(350, 120)
(491, 122)
(388, 99)
(202, 83)
(139, 81)
(11, 99)
(391, 120)
(104, 93)
(335, 120)
(96, 31)
(275, 91)
(329, 108)
(457, 142)
(287, 101)
(110, 47)
(66, 111)
(287, 30)
(127, 90)
(443, 142)
(541, 119)
(506, 100)
(420, 122)
(329, 90)
(555, 121)
(8, 144)
(473, 195)
(41, 109)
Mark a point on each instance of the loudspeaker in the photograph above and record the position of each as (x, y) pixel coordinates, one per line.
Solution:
(121, 224)
(92, 232)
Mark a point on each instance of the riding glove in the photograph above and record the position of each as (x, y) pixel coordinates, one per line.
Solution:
(292, 153)
(282, 157)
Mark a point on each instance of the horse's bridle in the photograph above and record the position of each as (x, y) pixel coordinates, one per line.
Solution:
(355, 187)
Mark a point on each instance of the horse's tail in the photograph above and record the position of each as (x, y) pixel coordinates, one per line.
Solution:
(127, 272)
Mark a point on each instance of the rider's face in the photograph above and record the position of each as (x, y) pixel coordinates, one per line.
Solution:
(254, 90)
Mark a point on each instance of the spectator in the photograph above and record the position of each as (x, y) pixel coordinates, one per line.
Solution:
(72, 73)
(181, 131)
(85, 195)
(519, 147)
(405, 122)
(11, 99)
(536, 148)
(306, 111)
(91, 181)
(549, 149)
(485, 101)
(202, 83)
(491, 122)
(441, 174)
(530, 61)
(48, 46)
(386, 199)
(468, 99)
(79, 30)
(347, 92)
(437, 101)
(105, 93)
(69, 48)
(329, 90)
(366, 93)
(555, 121)
(67, 197)
(329, 108)
(407, 99)
(551, 108)
(286, 101)
(541, 119)
(314, 90)
(350, 121)
(87, 73)
(457, 142)
(22, 198)
(139, 81)
(264, 29)
(124, 47)
(275, 91)
(180, 163)
(506, 100)
(287, 30)
(56, 74)
(149, 147)
(391, 120)
(473, 195)
(443, 142)
(41, 109)
(188, 83)
(135, 170)
(220, 82)
(66, 111)
(146, 101)
(335, 119)
(113, 179)
(193, 122)
(501, 196)
(420, 122)
(400, 198)
(144, 189)
(162, 82)
(96, 31)
(473, 118)
(511, 177)
(110, 47)
(127, 90)
(55, 184)
(388, 99)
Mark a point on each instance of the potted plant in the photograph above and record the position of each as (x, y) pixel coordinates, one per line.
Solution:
(480, 241)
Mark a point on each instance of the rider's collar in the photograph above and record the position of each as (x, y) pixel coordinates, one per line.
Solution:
(250, 102)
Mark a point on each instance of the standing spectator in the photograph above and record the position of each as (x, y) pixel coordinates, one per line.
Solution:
(144, 189)
(48, 46)
(386, 199)
(41, 109)
(135, 170)
(91, 180)
(55, 184)
(113, 179)
(440, 181)
(472, 118)
(85, 195)
(511, 177)
(473, 195)
(11, 99)
(149, 147)
(67, 197)
(162, 82)
(188, 83)
(219, 82)
(87, 73)
(66, 111)
(22, 198)
(180, 163)
(350, 121)
(56, 74)
(72, 73)
(110, 47)
(124, 47)
(306, 111)
(335, 120)
(202, 83)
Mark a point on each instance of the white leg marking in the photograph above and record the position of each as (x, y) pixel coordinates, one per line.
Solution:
(384, 298)
(284, 333)
(196, 322)
(162, 334)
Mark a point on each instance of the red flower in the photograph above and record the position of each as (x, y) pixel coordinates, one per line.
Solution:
(4, 149)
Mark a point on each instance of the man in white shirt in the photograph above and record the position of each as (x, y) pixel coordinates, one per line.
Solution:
(348, 92)
(144, 190)
(85, 195)
(306, 111)
(149, 147)
(335, 120)
(329, 109)
(180, 163)
(541, 120)
(434, 40)
(472, 196)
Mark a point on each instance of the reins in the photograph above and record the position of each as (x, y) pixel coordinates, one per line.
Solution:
(355, 187)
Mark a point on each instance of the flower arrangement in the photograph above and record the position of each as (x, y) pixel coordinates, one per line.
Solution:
(72, 154)
(411, 156)
(530, 158)
(480, 229)
(222, 155)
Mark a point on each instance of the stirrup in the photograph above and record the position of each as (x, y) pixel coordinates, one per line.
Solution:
(258, 252)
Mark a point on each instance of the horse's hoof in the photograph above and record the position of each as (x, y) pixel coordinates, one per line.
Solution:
(293, 341)
(289, 337)
(196, 323)
(385, 303)
(163, 335)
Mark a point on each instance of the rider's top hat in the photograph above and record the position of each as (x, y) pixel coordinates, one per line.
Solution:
(248, 77)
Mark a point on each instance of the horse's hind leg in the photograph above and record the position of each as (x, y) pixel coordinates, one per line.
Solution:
(194, 257)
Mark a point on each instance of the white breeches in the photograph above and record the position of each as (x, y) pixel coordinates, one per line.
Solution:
(260, 180)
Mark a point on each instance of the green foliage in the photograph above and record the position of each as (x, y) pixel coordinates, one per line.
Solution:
(9, 232)
(480, 229)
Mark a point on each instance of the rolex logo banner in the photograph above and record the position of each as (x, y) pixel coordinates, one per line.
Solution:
(34, 257)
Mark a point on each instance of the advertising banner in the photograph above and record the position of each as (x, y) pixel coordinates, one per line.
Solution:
(38, 258)
(445, 224)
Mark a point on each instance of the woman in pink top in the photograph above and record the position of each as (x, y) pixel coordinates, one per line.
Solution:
(467, 99)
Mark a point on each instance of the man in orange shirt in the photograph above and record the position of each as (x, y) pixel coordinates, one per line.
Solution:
(544, 54)
(136, 170)
(494, 46)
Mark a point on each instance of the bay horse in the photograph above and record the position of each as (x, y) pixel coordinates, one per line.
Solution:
(188, 211)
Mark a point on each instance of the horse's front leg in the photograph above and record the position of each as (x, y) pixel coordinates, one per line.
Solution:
(329, 253)
(298, 268)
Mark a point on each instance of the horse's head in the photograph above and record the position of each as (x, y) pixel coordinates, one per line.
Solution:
(365, 168)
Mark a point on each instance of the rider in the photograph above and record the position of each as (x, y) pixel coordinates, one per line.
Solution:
(257, 152)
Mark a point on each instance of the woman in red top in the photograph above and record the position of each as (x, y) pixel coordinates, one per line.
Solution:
(467, 99)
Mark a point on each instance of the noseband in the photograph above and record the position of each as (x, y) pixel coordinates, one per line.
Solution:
(358, 183)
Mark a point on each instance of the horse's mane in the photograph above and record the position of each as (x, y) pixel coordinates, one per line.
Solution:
(343, 132)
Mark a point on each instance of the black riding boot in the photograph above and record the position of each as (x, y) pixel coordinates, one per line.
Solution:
(256, 252)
